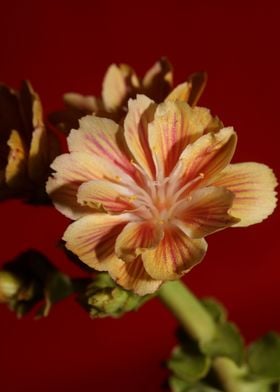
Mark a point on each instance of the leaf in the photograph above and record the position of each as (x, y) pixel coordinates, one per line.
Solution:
(189, 365)
(227, 342)
(264, 357)
(178, 385)
(216, 310)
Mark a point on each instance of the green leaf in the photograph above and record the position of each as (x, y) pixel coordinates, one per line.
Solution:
(264, 357)
(227, 342)
(178, 385)
(189, 365)
(215, 308)
(202, 388)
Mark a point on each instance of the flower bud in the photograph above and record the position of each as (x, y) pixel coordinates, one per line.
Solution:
(9, 286)
(104, 298)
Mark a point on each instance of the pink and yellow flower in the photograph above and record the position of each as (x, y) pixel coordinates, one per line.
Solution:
(144, 196)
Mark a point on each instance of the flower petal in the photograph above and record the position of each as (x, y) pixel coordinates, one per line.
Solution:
(112, 197)
(180, 93)
(100, 138)
(71, 171)
(92, 238)
(15, 172)
(140, 113)
(205, 211)
(114, 89)
(158, 80)
(175, 125)
(253, 185)
(175, 255)
(132, 276)
(136, 237)
(81, 102)
(198, 82)
(10, 119)
(43, 150)
(120, 82)
(206, 157)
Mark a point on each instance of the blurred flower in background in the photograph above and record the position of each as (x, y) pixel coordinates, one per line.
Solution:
(27, 147)
(121, 83)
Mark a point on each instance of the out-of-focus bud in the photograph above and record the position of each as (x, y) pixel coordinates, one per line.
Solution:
(103, 298)
(32, 280)
(9, 286)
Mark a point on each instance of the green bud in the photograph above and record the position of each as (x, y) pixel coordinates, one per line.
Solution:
(103, 297)
(9, 286)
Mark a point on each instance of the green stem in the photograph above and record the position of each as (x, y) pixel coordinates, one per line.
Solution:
(199, 325)
(188, 311)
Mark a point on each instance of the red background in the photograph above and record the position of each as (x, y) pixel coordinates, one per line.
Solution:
(66, 46)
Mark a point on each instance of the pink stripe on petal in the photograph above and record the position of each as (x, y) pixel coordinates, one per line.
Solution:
(140, 113)
(132, 276)
(136, 237)
(175, 125)
(100, 137)
(92, 238)
(206, 157)
(175, 255)
(112, 197)
(205, 211)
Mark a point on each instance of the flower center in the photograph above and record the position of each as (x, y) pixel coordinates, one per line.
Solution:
(161, 200)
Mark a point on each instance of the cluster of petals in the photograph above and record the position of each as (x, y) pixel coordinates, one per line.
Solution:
(121, 83)
(26, 146)
(144, 195)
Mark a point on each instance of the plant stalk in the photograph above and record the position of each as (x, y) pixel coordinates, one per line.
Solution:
(199, 325)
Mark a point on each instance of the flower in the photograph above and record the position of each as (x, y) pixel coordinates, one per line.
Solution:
(145, 195)
(121, 83)
(26, 146)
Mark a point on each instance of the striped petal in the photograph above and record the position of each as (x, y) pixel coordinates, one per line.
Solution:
(92, 238)
(100, 138)
(253, 185)
(175, 255)
(111, 196)
(206, 157)
(132, 276)
(205, 211)
(71, 171)
(135, 238)
(175, 125)
(140, 113)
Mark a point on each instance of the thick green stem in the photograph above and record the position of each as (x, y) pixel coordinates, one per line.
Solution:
(188, 311)
(199, 325)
